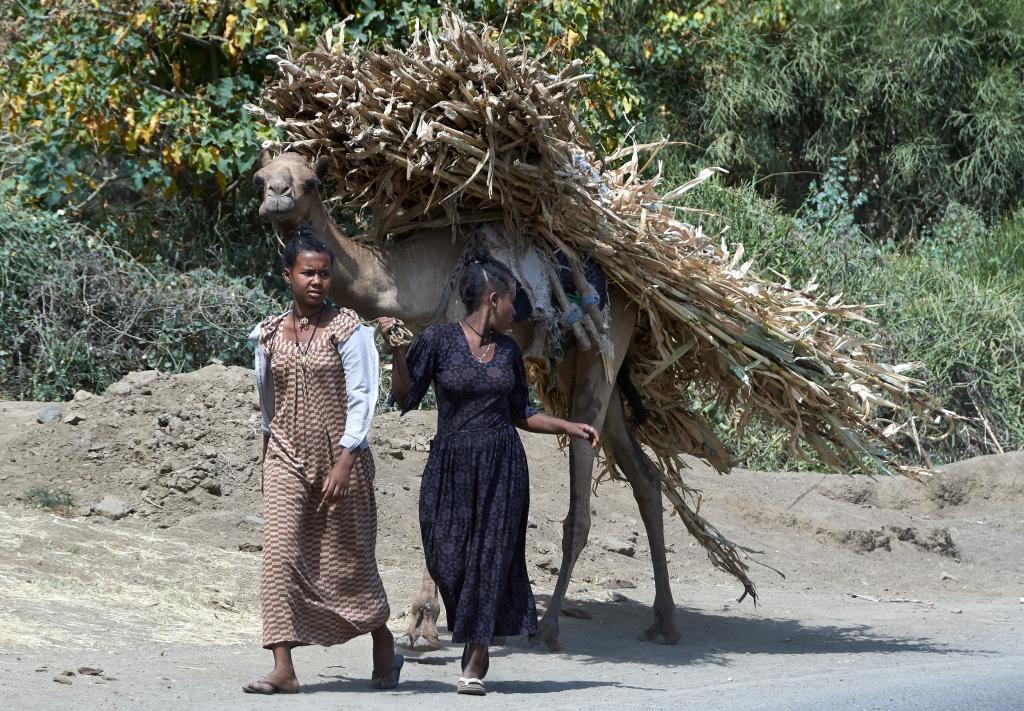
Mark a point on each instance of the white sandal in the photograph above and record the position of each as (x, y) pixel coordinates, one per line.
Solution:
(471, 687)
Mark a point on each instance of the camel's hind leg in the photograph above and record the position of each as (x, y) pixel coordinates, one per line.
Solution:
(421, 635)
(642, 475)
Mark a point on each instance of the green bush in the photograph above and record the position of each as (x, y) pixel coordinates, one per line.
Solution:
(78, 313)
(130, 116)
(888, 117)
(135, 109)
(961, 318)
(51, 499)
(994, 257)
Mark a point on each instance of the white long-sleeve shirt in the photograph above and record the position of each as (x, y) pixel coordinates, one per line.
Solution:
(362, 380)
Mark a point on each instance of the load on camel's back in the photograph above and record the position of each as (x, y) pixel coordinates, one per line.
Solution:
(635, 315)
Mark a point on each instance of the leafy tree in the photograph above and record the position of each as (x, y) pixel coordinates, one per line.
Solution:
(922, 99)
(130, 112)
(76, 312)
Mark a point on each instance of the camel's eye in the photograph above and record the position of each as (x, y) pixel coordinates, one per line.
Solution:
(258, 181)
(312, 184)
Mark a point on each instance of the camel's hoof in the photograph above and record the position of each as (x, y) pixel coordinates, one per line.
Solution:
(660, 634)
(548, 634)
(420, 644)
(536, 644)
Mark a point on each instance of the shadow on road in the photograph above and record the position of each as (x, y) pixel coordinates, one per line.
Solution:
(350, 685)
(612, 635)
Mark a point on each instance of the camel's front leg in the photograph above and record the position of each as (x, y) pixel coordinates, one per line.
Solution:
(575, 529)
(590, 399)
(421, 635)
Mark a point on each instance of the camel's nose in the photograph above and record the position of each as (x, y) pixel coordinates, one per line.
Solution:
(279, 188)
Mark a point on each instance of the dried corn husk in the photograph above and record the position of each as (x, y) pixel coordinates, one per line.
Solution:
(463, 127)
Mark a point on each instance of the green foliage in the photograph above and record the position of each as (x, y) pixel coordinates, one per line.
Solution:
(146, 96)
(130, 113)
(893, 118)
(994, 257)
(923, 99)
(135, 107)
(50, 499)
(78, 313)
(829, 204)
(564, 30)
(143, 93)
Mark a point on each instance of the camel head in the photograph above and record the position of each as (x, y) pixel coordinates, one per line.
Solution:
(289, 185)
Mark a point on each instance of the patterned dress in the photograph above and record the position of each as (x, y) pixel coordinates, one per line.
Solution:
(475, 491)
(320, 583)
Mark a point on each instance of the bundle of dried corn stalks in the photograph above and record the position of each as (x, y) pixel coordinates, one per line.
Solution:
(463, 128)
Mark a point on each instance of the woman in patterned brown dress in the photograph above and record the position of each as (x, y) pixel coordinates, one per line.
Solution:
(316, 373)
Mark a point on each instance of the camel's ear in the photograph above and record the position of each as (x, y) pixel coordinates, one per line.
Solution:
(320, 166)
(266, 155)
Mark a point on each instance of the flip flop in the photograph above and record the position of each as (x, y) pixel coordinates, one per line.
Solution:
(262, 686)
(389, 680)
(470, 687)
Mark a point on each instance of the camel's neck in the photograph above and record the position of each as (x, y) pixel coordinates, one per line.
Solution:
(406, 281)
(360, 276)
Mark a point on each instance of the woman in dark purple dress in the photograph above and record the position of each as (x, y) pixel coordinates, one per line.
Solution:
(475, 491)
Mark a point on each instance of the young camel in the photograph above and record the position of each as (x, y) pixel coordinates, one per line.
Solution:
(406, 281)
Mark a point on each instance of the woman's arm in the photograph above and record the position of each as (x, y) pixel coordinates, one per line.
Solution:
(400, 380)
(362, 372)
(527, 418)
(412, 371)
(360, 363)
(539, 423)
(264, 386)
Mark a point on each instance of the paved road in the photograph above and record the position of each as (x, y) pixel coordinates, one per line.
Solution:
(957, 684)
(857, 657)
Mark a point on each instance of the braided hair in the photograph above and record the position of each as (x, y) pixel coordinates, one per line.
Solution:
(304, 240)
(481, 275)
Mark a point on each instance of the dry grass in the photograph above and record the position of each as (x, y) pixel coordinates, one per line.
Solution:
(70, 583)
(463, 128)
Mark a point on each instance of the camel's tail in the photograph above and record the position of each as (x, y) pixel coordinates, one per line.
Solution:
(632, 395)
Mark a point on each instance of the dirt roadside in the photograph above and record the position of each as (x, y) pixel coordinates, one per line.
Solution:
(151, 574)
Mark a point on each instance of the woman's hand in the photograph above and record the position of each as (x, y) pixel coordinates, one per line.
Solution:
(337, 480)
(386, 323)
(580, 430)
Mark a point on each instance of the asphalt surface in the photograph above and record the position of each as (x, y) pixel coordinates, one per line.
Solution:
(847, 656)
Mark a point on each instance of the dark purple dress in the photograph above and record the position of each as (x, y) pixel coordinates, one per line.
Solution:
(475, 491)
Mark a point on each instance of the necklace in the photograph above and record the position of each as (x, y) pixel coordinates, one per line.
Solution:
(483, 356)
(304, 353)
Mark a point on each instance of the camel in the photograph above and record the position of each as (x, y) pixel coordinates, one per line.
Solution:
(406, 280)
